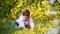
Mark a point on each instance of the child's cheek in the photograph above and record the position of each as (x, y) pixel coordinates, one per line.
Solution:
(26, 19)
(23, 18)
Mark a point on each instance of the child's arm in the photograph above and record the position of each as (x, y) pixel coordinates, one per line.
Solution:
(31, 23)
(20, 21)
(21, 24)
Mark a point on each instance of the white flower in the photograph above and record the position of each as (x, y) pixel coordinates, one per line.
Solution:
(52, 1)
(56, 22)
(58, 1)
(52, 31)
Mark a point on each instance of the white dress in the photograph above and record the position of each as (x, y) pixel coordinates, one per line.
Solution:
(21, 22)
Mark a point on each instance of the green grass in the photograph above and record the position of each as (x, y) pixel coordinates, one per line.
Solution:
(7, 28)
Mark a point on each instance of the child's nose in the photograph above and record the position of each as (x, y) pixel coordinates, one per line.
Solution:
(26, 19)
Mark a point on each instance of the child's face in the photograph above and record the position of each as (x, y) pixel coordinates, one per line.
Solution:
(26, 18)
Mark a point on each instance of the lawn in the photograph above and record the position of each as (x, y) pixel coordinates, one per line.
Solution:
(7, 28)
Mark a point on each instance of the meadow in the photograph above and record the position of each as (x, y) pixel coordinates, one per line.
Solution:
(39, 13)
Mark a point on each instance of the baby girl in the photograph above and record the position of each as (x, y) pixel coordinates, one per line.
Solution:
(25, 20)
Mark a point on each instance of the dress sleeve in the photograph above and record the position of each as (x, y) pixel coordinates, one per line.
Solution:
(31, 23)
(20, 21)
(21, 24)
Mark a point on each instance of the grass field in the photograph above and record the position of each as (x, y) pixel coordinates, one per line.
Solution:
(40, 10)
(7, 28)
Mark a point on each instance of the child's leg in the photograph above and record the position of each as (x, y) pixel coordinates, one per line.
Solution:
(27, 26)
(15, 24)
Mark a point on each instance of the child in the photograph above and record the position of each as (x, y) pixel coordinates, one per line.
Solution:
(25, 20)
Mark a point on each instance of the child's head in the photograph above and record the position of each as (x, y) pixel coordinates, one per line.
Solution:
(26, 14)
